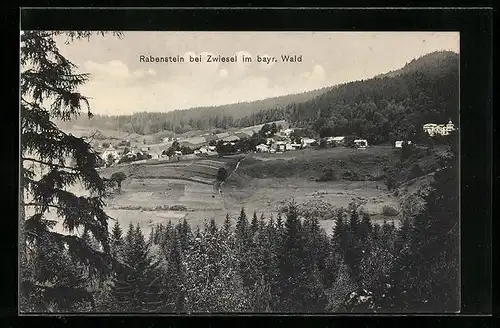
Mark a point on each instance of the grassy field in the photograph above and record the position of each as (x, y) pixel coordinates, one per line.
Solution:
(262, 183)
(156, 192)
(266, 182)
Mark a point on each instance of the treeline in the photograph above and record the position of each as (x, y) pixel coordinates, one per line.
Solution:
(390, 107)
(266, 264)
(200, 118)
(383, 109)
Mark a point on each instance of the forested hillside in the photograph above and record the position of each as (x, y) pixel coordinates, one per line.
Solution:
(391, 106)
(384, 108)
(199, 118)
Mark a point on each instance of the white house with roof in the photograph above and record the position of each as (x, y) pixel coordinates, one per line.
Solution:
(339, 140)
(306, 142)
(280, 145)
(262, 148)
(110, 151)
(399, 143)
(287, 132)
(439, 129)
(361, 143)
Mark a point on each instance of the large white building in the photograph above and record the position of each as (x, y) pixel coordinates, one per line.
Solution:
(262, 148)
(306, 142)
(110, 151)
(439, 129)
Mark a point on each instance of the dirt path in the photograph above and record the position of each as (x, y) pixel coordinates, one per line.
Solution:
(222, 183)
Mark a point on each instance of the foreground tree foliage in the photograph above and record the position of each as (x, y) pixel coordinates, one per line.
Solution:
(53, 161)
(288, 264)
(291, 265)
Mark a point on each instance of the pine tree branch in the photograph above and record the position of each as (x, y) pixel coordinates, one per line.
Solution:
(48, 163)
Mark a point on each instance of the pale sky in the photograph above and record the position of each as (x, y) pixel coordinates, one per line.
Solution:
(121, 84)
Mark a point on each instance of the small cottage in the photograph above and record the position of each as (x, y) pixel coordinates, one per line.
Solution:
(361, 143)
(399, 144)
(306, 142)
(262, 148)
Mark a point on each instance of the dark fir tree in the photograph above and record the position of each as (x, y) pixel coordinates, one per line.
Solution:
(137, 287)
(53, 160)
(254, 224)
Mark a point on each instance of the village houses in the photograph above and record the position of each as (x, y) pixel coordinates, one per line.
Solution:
(439, 129)
(110, 151)
(399, 143)
(262, 148)
(306, 142)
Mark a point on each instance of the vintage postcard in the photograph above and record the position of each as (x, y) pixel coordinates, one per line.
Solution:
(239, 172)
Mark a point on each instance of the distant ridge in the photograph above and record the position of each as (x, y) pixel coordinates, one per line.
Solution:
(433, 60)
(439, 68)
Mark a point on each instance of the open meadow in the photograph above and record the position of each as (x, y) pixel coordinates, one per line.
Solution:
(158, 191)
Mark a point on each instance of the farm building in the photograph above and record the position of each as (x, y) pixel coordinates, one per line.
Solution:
(262, 148)
(280, 146)
(361, 143)
(306, 142)
(270, 141)
(399, 143)
(110, 151)
(287, 132)
(441, 129)
(338, 140)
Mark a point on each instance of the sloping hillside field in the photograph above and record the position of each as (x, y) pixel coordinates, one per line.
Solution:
(158, 192)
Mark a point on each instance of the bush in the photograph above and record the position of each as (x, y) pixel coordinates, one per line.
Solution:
(406, 151)
(178, 208)
(328, 175)
(415, 172)
(350, 175)
(222, 174)
(390, 180)
(389, 211)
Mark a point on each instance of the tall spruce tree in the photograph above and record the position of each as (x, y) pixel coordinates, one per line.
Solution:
(137, 287)
(291, 261)
(116, 243)
(243, 239)
(52, 161)
(254, 224)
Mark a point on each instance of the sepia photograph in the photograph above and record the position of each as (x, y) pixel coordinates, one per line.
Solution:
(171, 172)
